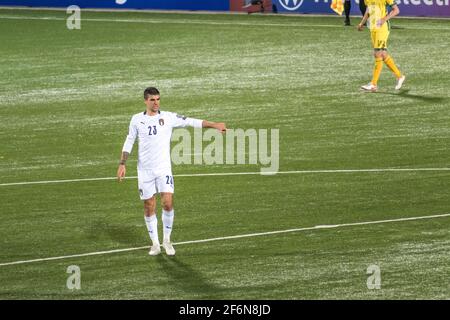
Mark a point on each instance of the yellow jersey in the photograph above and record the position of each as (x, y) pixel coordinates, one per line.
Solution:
(378, 7)
(377, 10)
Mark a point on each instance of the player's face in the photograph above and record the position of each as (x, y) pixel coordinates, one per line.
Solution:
(152, 103)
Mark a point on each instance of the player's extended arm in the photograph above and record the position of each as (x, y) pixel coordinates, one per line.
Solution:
(122, 170)
(216, 125)
(364, 20)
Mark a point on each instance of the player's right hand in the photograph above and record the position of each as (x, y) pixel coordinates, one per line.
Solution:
(121, 172)
(221, 127)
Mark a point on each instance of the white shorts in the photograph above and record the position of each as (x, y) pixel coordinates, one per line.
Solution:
(151, 182)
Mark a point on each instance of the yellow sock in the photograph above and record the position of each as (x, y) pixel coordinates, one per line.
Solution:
(391, 65)
(377, 70)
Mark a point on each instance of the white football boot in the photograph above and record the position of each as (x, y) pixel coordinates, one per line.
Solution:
(170, 251)
(155, 250)
(400, 81)
(369, 87)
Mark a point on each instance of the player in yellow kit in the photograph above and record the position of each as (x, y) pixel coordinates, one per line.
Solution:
(378, 17)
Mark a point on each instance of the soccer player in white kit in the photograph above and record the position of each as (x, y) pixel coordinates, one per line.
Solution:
(153, 129)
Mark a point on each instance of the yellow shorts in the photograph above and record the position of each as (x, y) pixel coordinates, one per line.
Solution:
(380, 37)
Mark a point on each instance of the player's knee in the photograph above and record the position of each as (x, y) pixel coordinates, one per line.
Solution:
(167, 206)
(149, 204)
(167, 201)
(149, 207)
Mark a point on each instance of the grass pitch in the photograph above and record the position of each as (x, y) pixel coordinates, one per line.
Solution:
(66, 98)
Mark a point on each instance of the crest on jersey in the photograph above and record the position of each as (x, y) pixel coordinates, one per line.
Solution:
(181, 116)
(161, 122)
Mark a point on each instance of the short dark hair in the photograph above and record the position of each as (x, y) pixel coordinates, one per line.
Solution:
(150, 91)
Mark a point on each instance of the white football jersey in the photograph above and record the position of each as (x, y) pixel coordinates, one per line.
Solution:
(154, 134)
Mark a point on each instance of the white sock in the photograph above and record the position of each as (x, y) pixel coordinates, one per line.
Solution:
(167, 218)
(152, 227)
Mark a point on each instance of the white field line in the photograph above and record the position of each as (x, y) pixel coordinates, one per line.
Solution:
(237, 174)
(333, 226)
(199, 22)
(172, 21)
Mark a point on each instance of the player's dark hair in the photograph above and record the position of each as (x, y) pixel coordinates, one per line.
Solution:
(150, 91)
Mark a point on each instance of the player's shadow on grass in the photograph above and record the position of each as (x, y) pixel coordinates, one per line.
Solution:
(186, 278)
(119, 233)
(406, 94)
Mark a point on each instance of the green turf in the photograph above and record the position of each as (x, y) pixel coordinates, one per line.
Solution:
(66, 98)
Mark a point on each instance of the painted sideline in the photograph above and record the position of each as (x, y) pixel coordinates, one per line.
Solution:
(318, 227)
(237, 174)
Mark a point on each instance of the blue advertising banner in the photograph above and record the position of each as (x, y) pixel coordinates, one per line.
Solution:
(425, 8)
(209, 5)
(428, 8)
